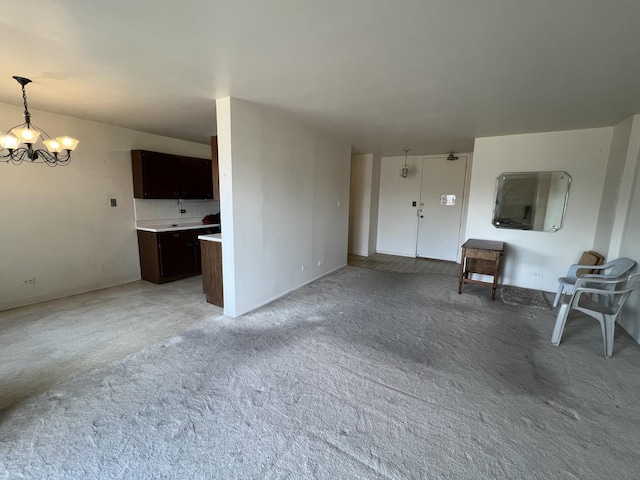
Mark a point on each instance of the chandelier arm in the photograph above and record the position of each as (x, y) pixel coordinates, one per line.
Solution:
(23, 124)
(16, 156)
(21, 154)
(54, 159)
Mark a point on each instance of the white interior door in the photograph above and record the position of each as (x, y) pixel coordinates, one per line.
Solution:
(440, 208)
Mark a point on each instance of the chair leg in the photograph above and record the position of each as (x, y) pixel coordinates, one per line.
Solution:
(561, 320)
(610, 329)
(558, 295)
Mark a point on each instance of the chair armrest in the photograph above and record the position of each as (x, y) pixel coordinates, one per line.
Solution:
(592, 282)
(573, 269)
(605, 277)
(599, 291)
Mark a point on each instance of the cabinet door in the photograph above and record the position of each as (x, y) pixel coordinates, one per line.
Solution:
(196, 178)
(193, 253)
(196, 256)
(173, 253)
(160, 175)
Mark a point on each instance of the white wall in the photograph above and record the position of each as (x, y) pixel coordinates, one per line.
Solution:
(397, 220)
(375, 204)
(626, 190)
(630, 227)
(611, 188)
(581, 153)
(57, 225)
(363, 204)
(284, 199)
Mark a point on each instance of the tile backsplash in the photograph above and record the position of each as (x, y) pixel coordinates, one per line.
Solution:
(150, 210)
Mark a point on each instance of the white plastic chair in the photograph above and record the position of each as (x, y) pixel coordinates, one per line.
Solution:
(611, 270)
(599, 298)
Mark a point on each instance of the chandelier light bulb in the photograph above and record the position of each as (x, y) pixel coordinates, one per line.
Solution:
(10, 142)
(53, 145)
(26, 135)
(68, 143)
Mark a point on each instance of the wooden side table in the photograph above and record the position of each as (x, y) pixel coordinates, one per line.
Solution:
(482, 257)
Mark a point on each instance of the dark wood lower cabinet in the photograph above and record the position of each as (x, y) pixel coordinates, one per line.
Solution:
(169, 256)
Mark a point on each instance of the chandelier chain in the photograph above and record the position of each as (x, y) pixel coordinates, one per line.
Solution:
(24, 99)
(27, 115)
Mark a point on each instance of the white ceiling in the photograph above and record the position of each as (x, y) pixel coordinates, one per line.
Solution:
(427, 74)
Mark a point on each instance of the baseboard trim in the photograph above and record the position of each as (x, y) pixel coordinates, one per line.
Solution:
(397, 254)
(69, 292)
(261, 304)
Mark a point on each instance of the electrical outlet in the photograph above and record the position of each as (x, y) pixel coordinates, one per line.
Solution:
(29, 281)
(533, 274)
(182, 210)
(321, 261)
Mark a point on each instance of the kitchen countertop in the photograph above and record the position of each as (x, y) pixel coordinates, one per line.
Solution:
(215, 237)
(172, 227)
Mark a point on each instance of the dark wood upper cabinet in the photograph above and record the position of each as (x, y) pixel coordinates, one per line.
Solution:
(160, 175)
(196, 178)
(155, 175)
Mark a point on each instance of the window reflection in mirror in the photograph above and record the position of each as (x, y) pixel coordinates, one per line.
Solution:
(531, 201)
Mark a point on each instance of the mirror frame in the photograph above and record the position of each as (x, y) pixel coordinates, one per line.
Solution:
(499, 198)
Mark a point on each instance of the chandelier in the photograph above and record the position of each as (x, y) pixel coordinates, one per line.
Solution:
(404, 171)
(20, 140)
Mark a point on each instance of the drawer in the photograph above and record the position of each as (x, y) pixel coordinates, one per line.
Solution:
(478, 265)
(492, 255)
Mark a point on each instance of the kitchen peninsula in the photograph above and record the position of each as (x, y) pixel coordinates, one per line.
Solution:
(211, 248)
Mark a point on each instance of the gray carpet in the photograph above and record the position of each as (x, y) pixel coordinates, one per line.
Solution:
(360, 375)
(51, 342)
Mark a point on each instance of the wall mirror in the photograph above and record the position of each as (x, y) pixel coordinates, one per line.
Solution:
(531, 200)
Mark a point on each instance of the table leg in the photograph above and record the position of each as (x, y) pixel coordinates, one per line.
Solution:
(461, 272)
(495, 279)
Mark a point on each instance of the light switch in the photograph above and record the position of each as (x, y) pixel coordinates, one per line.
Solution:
(114, 202)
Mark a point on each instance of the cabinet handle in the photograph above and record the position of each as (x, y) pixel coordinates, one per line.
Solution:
(176, 235)
(189, 244)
